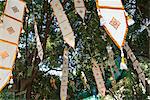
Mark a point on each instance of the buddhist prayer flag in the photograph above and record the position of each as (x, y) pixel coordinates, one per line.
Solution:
(98, 78)
(115, 24)
(10, 30)
(80, 8)
(136, 64)
(39, 45)
(63, 22)
(64, 80)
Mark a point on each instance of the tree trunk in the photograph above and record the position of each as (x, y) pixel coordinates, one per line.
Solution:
(28, 93)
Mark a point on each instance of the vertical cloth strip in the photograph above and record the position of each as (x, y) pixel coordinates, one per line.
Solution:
(67, 32)
(9, 37)
(98, 78)
(80, 8)
(64, 80)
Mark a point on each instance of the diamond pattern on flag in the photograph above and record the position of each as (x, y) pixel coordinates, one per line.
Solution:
(115, 25)
(4, 77)
(10, 30)
(110, 3)
(7, 54)
(4, 54)
(15, 9)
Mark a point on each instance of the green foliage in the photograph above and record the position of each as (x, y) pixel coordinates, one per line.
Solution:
(89, 44)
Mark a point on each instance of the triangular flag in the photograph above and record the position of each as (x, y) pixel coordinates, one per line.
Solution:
(80, 8)
(39, 45)
(113, 13)
(63, 22)
(64, 81)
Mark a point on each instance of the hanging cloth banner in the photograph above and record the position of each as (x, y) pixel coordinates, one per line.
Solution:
(64, 81)
(98, 78)
(9, 37)
(63, 22)
(115, 72)
(80, 8)
(115, 24)
(136, 64)
(113, 19)
(39, 45)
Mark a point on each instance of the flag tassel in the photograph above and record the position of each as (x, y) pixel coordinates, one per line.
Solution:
(122, 64)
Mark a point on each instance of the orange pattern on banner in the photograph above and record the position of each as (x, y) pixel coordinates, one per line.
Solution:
(5, 54)
(115, 23)
(109, 7)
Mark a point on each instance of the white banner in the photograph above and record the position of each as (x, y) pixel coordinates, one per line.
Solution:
(63, 22)
(115, 22)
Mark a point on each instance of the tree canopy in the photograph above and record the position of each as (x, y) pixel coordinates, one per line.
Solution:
(32, 77)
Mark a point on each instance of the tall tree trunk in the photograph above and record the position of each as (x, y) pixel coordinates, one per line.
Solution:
(28, 93)
(48, 21)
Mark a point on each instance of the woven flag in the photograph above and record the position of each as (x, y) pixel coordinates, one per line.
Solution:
(113, 13)
(4, 77)
(80, 8)
(11, 30)
(136, 64)
(39, 45)
(98, 78)
(64, 81)
(63, 22)
(15, 9)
